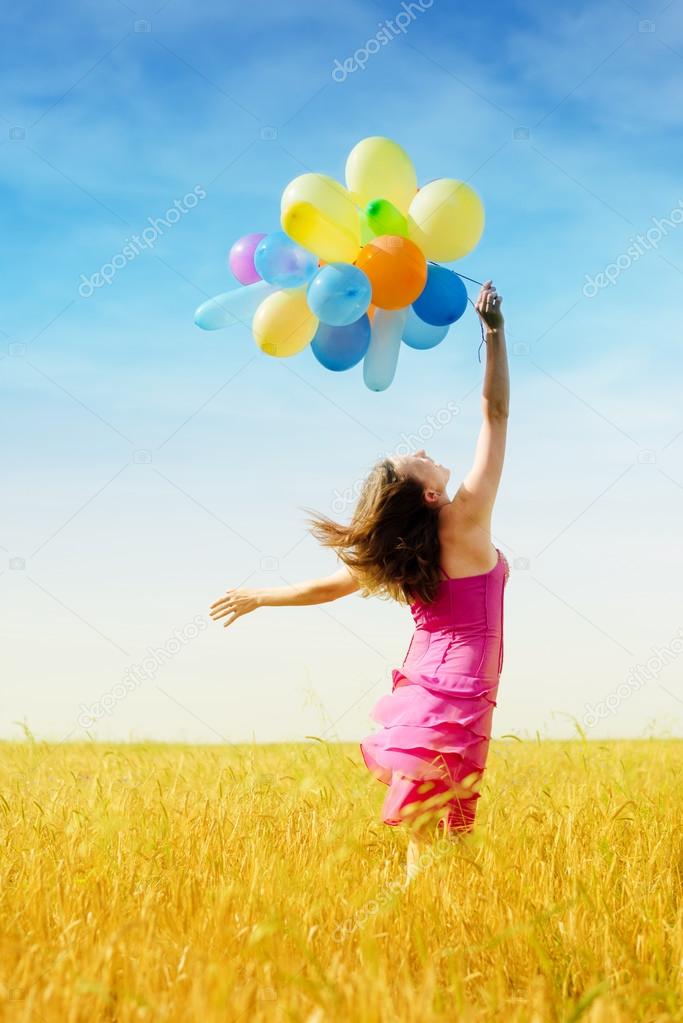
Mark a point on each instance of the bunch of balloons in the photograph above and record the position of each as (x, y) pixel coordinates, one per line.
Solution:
(355, 270)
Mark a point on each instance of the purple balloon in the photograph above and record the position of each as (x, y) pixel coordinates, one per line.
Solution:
(241, 258)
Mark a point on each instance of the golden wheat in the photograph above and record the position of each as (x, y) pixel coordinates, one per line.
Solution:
(149, 882)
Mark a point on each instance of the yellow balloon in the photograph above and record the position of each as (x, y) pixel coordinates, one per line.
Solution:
(327, 195)
(378, 168)
(446, 219)
(318, 189)
(283, 324)
(309, 227)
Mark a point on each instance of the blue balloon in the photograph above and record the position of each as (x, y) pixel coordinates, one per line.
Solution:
(339, 294)
(421, 335)
(340, 348)
(444, 298)
(282, 262)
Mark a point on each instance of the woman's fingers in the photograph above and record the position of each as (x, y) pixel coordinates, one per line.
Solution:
(232, 605)
(218, 614)
(488, 303)
(219, 609)
(487, 289)
(230, 612)
(233, 616)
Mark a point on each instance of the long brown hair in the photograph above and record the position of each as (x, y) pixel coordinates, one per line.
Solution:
(391, 544)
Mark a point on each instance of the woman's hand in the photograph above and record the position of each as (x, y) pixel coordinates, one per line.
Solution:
(233, 605)
(488, 306)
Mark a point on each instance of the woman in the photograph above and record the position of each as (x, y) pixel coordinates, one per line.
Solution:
(410, 541)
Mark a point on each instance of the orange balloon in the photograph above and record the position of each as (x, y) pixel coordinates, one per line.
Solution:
(396, 268)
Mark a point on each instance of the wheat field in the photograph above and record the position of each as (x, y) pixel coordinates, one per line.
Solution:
(254, 883)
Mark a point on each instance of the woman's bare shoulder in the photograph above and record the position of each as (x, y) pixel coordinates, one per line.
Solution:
(456, 515)
(466, 547)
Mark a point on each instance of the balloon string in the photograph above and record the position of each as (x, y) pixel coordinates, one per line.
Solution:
(481, 283)
(481, 326)
(481, 329)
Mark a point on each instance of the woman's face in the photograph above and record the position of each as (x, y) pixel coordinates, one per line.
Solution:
(433, 476)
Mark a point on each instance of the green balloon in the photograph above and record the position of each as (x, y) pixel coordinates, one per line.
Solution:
(384, 218)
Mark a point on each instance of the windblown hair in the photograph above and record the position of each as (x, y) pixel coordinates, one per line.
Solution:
(391, 544)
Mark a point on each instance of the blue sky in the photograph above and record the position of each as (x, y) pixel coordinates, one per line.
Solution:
(151, 465)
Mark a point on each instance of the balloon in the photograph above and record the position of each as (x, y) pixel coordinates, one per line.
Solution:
(281, 261)
(283, 323)
(444, 298)
(308, 226)
(421, 335)
(396, 268)
(334, 228)
(366, 232)
(380, 361)
(232, 307)
(382, 217)
(320, 190)
(446, 219)
(241, 258)
(339, 294)
(340, 348)
(377, 166)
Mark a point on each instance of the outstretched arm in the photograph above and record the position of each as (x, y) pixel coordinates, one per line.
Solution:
(235, 603)
(476, 495)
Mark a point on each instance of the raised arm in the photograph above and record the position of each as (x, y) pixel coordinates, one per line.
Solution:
(235, 603)
(475, 498)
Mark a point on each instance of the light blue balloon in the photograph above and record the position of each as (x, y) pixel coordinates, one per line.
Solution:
(237, 306)
(421, 335)
(282, 262)
(340, 348)
(339, 294)
(380, 362)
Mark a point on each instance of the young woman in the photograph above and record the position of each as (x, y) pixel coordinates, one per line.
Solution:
(410, 541)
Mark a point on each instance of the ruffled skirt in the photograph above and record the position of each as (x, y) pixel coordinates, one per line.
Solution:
(433, 747)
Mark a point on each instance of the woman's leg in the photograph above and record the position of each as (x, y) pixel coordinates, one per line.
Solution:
(452, 821)
(418, 842)
(420, 852)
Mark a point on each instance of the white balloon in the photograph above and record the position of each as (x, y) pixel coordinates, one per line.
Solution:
(379, 365)
(237, 306)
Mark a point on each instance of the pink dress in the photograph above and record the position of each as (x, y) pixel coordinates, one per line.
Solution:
(437, 720)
